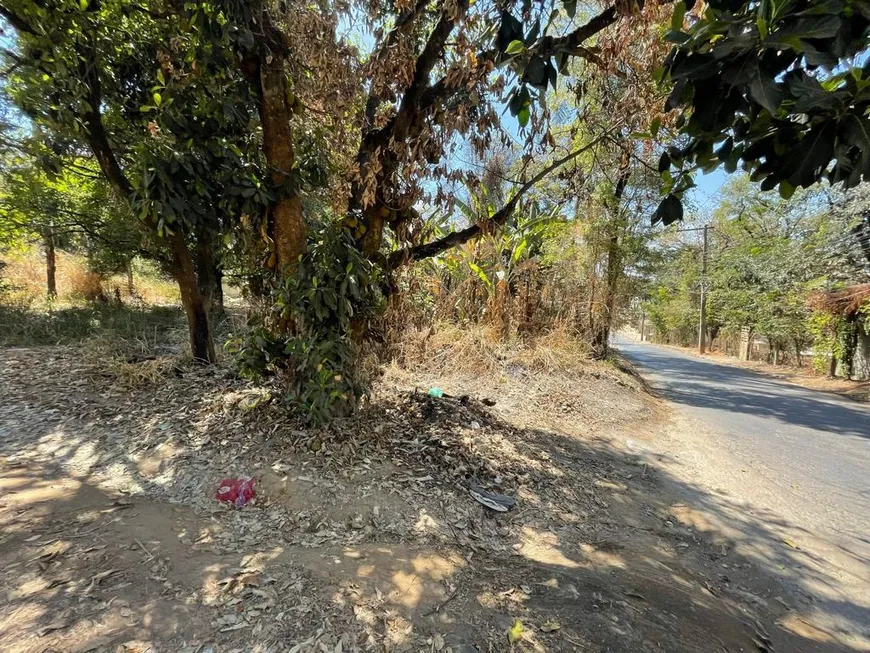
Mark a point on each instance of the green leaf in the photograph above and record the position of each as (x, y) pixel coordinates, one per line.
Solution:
(570, 7)
(669, 211)
(724, 150)
(157, 98)
(664, 162)
(516, 631)
(480, 273)
(523, 116)
(678, 16)
(786, 190)
(812, 155)
(516, 47)
(84, 4)
(676, 36)
(764, 90)
(518, 252)
(536, 73)
(761, 20)
(654, 127)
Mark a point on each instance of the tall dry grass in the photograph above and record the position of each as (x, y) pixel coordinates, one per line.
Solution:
(24, 275)
(482, 349)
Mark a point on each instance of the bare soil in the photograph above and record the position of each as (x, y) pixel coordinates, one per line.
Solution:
(363, 536)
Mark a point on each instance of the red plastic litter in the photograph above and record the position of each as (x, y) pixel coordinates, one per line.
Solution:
(237, 491)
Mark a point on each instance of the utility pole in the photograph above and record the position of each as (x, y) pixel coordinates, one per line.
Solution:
(702, 327)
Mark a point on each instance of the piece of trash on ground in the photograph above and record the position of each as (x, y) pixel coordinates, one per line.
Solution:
(492, 500)
(237, 491)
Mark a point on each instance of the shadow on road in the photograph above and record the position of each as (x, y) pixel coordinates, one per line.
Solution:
(705, 384)
(603, 548)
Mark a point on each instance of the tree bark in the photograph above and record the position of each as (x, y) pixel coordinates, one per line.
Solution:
(614, 264)
(286, 223)
(50, 266)
(208, 275)
(131, 287)
(195, 308)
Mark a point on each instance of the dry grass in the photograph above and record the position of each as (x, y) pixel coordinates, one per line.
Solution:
(549, 379)
(24, 272)
(139, 373)
(132, 362)
(481, 350)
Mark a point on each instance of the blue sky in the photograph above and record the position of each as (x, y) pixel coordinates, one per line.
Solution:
(705, 196)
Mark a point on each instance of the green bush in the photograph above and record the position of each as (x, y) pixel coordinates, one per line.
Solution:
(311, 334)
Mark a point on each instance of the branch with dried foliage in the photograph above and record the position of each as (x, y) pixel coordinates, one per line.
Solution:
(498, 219)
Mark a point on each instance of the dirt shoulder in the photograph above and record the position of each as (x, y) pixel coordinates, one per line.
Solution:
(363, 536)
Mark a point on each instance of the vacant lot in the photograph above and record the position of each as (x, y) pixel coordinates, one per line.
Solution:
(363, 536)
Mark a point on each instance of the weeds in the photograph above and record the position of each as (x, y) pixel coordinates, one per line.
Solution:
(482, 350)
(146, 328)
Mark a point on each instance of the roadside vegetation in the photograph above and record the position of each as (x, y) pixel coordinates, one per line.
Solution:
(787, 277)
(373, 255)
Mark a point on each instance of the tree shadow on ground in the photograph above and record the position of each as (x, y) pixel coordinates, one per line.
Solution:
(603, 553)
(706, 384)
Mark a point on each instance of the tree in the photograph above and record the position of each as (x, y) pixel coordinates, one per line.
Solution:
(768, 258)
(777, 88)
(71, 208)
(159, 99)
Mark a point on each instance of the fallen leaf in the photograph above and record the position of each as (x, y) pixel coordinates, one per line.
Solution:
(515, 634)
(550, 626)
(791, 544)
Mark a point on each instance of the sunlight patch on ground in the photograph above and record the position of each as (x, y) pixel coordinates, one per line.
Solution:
(544, 548)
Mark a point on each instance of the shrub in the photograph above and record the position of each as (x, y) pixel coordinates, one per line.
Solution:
(310, 336)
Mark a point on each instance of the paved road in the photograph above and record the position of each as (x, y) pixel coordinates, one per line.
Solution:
(798, 456)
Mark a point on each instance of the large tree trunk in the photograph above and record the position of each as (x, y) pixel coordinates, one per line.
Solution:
(195, 307)
(209, 276)
(286, 223)
(50, 266)
(614, 264)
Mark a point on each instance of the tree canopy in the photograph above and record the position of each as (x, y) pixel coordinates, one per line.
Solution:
(289, 137)
(780, 89)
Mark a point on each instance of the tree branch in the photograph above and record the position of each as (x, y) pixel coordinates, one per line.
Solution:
(545, 47)
(18, 22)
(98, 139)
(397, 127)
(392, 38)
(498, 219)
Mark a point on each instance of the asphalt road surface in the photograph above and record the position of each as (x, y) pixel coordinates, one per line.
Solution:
(790, 456)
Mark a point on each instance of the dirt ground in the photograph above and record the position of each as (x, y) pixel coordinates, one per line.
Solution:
(363, 536)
